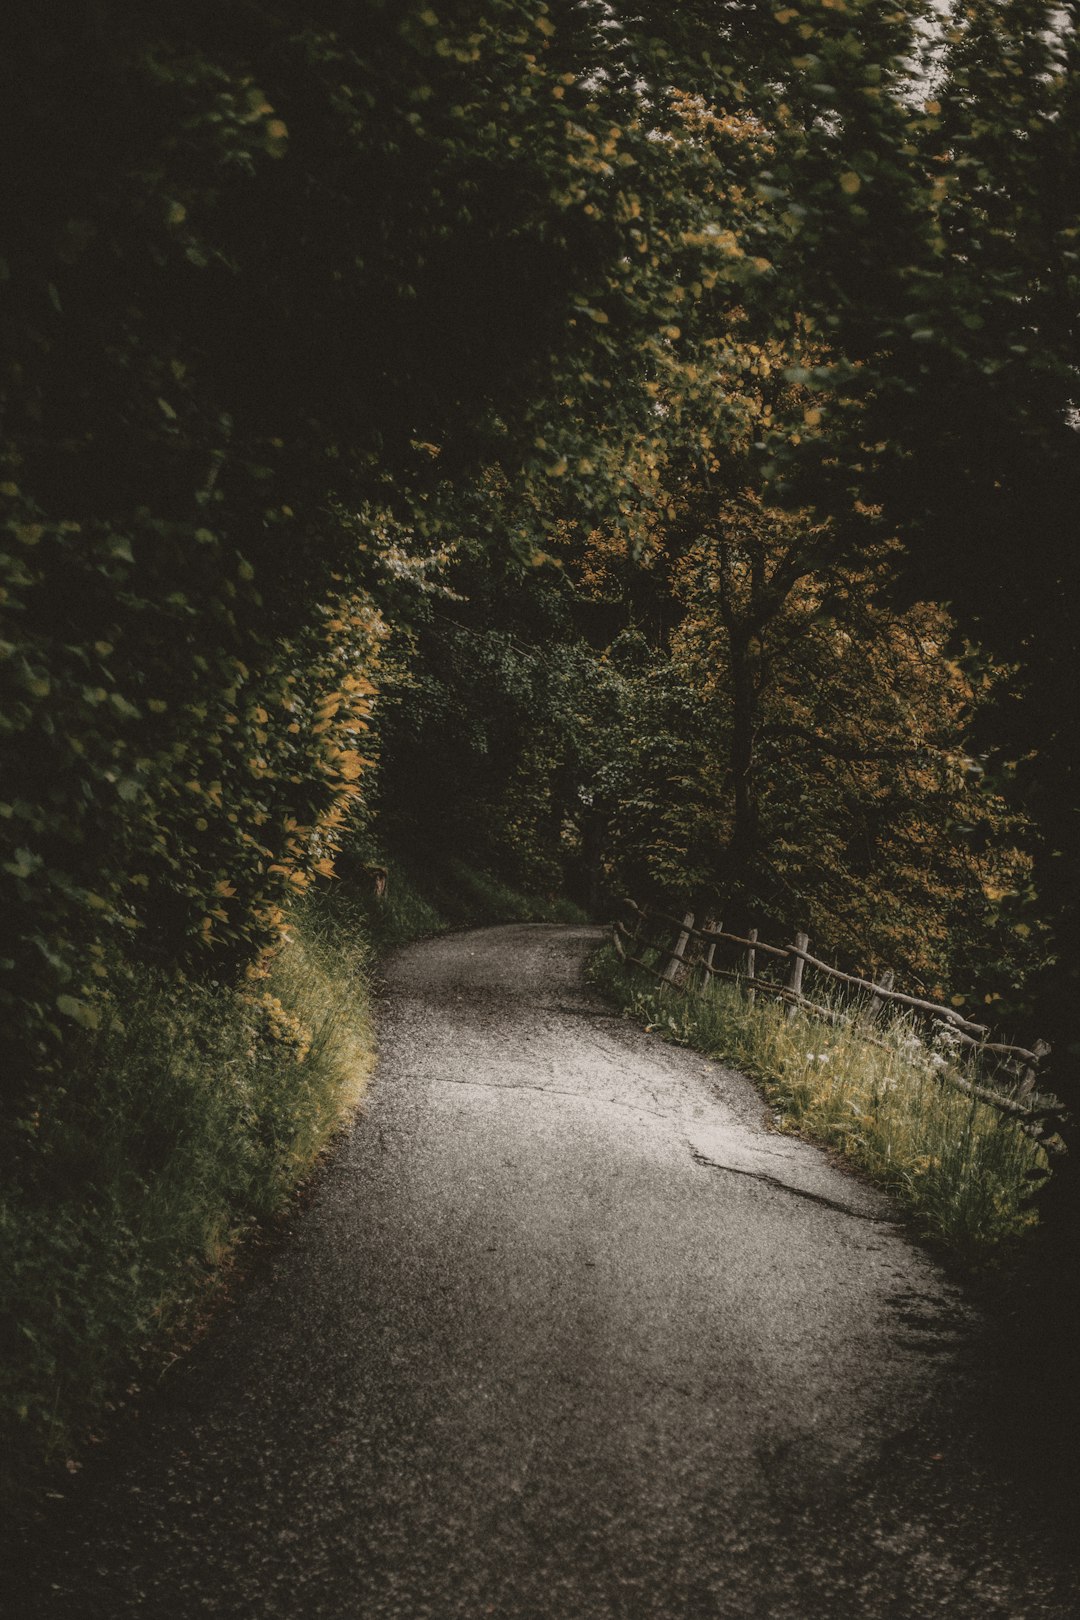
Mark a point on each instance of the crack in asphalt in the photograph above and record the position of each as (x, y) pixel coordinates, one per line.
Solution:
(785, 1186)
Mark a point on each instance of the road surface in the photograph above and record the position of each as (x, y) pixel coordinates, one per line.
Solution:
(565, 1334)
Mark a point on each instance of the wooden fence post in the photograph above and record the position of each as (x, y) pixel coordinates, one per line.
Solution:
(1040, 1050)
(751, 966)
(802, 943)
(675, 961)
(711, 927)
(877, 1004)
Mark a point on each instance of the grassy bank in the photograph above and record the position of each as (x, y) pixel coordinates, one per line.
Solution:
(190, 1118)
(180, 1127)
(961, 1171)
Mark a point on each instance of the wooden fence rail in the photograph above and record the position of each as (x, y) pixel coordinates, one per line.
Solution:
(1038, 1113)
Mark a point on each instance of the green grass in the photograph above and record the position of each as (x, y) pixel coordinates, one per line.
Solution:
(193, 1117)
(959, 1168)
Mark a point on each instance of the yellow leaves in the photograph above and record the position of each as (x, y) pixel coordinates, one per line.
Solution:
(786, 15)
(349, 764)
(546, 27)
(811, 416)
(28, 533)
(275, 137)
(850, 182)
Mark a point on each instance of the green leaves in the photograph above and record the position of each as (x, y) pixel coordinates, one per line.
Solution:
(87, 1016)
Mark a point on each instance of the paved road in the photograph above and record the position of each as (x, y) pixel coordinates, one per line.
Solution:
(566, 1334)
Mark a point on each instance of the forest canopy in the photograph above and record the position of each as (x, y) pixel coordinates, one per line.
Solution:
(637, 444)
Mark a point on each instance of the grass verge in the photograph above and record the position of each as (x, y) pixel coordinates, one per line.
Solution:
(961, 1171)
(191, 1118)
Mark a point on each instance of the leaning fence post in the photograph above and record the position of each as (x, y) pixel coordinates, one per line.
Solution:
(1040, 1050)
(794, 984)
(675, 961)
(877, 1003)
(712, 926)
(751, 966)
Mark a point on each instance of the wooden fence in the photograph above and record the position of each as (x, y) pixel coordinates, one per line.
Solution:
(688, 957)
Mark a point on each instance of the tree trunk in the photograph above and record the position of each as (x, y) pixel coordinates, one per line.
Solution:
(743, 843)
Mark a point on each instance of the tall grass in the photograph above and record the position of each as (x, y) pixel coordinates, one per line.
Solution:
(961, 1170)
(192, 1117)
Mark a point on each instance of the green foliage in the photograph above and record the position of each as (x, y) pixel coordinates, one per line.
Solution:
(420, 901)
(278, 285)
(961, 1172)
(170, 1132)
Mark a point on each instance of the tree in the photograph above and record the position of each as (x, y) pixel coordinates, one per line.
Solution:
(277, 277)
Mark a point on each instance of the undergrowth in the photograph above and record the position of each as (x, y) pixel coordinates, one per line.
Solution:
(189, 1118)
(962, 1171)
(451, 894)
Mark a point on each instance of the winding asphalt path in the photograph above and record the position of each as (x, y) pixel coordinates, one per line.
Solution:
(566, 1334)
